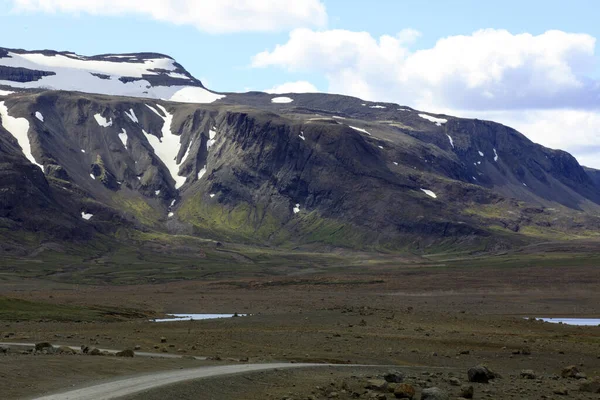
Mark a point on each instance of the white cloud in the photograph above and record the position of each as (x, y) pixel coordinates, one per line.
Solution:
(293, 87)
(214, 16)
(539, 84)
(490, 69)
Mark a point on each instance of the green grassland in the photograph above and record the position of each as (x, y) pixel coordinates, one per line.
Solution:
(21, 310)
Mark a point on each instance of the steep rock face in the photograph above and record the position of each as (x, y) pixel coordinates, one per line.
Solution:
(594, 175)
(28, 203)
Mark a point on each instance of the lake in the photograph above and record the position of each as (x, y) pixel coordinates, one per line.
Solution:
(573, 321)
(195, 317)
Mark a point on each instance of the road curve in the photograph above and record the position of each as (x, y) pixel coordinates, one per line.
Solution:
(137, 384)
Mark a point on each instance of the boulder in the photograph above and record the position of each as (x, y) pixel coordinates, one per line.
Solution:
(481, 374)
(454, 382)
(570, 372)
(163, 339)
(394, 377)
(126, 353)
(94, 352)
(377, 384)
(561, 391)
(43, 346)
(434, 393)
(467, 391)
(404, 391)
(4, 350)
(528, 374)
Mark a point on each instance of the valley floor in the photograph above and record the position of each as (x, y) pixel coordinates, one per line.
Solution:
(432, 321)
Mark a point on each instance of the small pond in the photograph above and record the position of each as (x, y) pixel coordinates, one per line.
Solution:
(573, 321)
(195, 317)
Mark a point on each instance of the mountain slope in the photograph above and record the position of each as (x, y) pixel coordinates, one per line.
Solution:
(146, 75)
(286, 170)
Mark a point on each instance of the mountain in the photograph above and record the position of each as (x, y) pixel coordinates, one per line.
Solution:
(148, 75)
(98, 146)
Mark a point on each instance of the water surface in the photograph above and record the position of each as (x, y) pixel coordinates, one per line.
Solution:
(573, 321)
(195, 317)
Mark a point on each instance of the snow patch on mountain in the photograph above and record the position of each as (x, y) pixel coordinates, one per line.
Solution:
(202, 173)
(451, 140)
(437, 121)
(167, 147)
(131, 115)
(281, 100)
(39, 116)
(123, 137)
(191, 94)
(211, 139)
(429, 193)
(359, 129)
(103, 122)
(19, 128)
(5, 92)
(112, 75)
(86, 216)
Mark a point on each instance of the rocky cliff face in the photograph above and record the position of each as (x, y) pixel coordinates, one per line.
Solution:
(280, 170)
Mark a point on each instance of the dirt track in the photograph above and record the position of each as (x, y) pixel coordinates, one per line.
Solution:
(137, 384)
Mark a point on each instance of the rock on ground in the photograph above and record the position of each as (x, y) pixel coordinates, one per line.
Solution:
(434, 393)
(481, 374)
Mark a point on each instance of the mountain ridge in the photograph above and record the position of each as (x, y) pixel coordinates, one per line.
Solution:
(284, 170)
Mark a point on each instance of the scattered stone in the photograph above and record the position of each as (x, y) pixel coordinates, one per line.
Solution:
(570, 372)
(434, 393)
(454, 382)
(377, 384)
(562, 391)
(394, 377)
(528, 374)
(163, 339)
(4, 350)
(95, 352)
(591, 386)
(404, 391)
(137, 347)
(467, 391)
(65, 350)
(481, 374)
(580, 375)
(43, 346)
(126, 353)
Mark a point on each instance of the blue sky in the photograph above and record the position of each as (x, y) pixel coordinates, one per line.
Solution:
(223, 59)
(546, 85)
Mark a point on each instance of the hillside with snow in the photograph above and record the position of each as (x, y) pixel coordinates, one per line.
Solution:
(146, 75)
